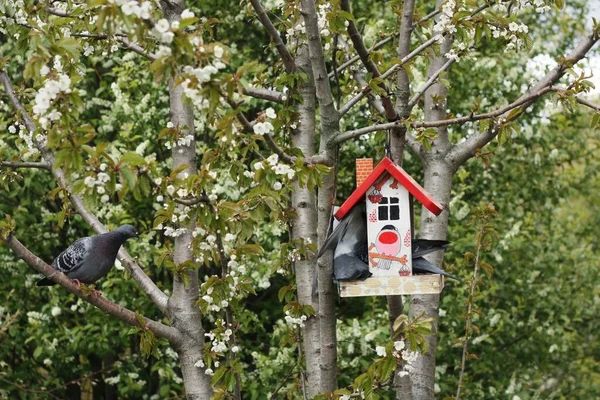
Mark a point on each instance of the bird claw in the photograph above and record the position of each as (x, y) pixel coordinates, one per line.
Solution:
(88, 290)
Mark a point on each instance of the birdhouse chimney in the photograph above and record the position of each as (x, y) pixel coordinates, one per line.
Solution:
(364, 166)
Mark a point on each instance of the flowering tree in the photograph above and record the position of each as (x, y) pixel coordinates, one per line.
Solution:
(217, 147)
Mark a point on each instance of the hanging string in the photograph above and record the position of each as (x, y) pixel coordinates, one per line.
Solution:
(388, 148)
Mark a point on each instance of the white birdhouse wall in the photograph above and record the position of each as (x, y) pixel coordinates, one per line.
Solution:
(388, 228)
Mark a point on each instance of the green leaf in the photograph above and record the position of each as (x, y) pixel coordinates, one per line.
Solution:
(130, 178)
(133, 158)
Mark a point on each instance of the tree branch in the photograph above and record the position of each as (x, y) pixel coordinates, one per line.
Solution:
(148, 286)
(264, 94)
(41, 165)
(429, 82)
(136, 48)
(445, 122)
(363, 53)
(381, 43)
(329, 115)
(346, 107)
(465, 150)
(286, 57)
(124, 314)
(587, 104)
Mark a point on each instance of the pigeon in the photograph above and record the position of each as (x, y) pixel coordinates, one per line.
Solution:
(351, 258)
(90, 258)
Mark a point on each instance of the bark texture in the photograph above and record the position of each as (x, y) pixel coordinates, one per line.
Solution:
(305, 225)
(182, 310)
(438, 182)
(330, 120)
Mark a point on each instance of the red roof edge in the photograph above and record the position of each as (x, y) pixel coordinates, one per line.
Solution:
(401, 176)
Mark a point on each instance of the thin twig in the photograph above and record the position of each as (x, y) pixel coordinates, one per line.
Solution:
(382, 43)
(432, 79)
(587, 103)
(359, 46)
(346, 107)
(286, 57)
(40, 165)
(445, 122)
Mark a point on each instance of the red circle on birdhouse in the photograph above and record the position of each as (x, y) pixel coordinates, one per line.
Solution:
(388, 237)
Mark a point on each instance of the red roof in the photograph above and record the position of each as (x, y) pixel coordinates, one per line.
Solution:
(401, 176)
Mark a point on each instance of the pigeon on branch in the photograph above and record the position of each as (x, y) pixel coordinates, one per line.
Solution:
(91, 258)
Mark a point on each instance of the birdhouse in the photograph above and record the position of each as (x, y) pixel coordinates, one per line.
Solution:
(387, 191)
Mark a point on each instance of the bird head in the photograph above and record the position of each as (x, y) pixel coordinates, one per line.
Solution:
(128, 231)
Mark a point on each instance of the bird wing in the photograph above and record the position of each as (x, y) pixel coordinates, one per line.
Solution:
(73, 256)
(421, 247)
(339, 233)
(349, 268)
(422, 266)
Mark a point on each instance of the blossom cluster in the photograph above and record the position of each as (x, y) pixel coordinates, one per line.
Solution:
(131, 7)
(220, 339)
(272, 162)
(44, 97)
(191, 89)
(97, 182)
(445, 24)
(232, 279)
(265, 127)
(323, 24)
(20, 16)
(292, 321)
(511, 34)
(27, 138)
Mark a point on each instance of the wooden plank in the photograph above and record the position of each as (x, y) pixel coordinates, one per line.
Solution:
(384, 286)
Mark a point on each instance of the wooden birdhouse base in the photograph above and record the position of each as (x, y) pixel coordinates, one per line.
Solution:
(383, 286)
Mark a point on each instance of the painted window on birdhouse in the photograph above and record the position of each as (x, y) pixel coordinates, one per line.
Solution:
(389, 209)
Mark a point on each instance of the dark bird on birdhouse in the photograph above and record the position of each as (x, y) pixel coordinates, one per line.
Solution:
(91, 258)
(349, 239)
(351, 258)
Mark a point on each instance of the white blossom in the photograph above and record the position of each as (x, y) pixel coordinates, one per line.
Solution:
(162, 25)
(270, 113)
(187, 14)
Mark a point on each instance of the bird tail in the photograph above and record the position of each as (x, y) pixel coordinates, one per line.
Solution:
(422, 266)
(45, 282)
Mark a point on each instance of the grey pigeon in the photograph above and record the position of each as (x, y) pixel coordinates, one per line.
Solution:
(90, 258)
(350, 260)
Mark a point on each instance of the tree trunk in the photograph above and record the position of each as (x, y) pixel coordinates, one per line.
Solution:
(182, 310)
(438, 183)
(305, 225)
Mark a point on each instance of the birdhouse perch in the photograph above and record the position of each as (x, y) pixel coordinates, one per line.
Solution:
(387, 191)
